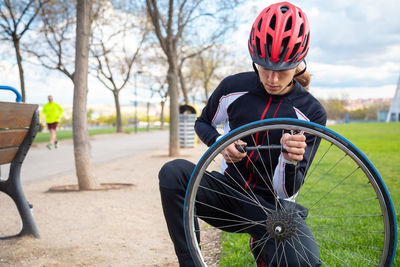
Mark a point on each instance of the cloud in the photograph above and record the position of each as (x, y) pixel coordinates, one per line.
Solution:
(385, 91)
(354, 32)
(349, 75)
(354, 47)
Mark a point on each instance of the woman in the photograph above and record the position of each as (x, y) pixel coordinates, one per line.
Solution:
(278, 43)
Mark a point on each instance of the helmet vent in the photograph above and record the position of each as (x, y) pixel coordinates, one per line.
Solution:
(259, 25)
(258, 46)
(306, 38)
(284, 9)
(269, 44)
(301, 31)
(288, 24)
(294, 51)
(299, 14)
(272, 22)
(285, 42)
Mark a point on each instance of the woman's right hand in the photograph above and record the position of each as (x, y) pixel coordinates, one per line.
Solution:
(231, 154)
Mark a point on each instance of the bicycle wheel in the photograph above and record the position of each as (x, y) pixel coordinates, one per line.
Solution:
(350, 212)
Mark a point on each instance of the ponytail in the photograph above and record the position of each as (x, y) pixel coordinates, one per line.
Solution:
(304, 78)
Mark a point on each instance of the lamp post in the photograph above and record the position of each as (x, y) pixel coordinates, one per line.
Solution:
(136, 101)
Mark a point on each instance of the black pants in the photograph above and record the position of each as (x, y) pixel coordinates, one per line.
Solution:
(174, 177)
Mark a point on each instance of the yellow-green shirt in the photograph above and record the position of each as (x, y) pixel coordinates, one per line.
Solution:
(52, 111)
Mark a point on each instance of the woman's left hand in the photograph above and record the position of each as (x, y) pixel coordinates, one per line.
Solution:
(295, 145)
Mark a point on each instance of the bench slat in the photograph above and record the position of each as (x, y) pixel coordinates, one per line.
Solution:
(7, 154)
(9, 138)
(16, 115)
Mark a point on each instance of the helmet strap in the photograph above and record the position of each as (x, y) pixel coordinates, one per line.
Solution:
(289, 84)
(255, 69)
(303, 70)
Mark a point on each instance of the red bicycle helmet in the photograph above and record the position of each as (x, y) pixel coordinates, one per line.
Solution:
(279, 37)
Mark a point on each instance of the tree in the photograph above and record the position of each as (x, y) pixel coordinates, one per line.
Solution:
(16, 18)
(168, 42)
(54, 47)
(84, 171)
(61, 48)
(203, 68)
(160, 89)
(170, 26)
(369, 112)
(114, 62)
(183, 60)
(335, 108)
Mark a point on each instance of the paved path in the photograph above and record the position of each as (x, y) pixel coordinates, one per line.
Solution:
(42, 163)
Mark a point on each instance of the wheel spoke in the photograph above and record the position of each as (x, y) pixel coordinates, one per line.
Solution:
(346, 230)
(251, 201)
(244, 180)
(356, 254)
(341, 205)
(334, 187)
(226, 212)
(362, 216)
(324, 175)
(350, 244)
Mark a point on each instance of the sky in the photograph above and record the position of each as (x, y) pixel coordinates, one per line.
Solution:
(354, 46)
(354, 53)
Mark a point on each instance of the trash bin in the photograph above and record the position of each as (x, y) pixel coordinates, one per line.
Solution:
(187, 118)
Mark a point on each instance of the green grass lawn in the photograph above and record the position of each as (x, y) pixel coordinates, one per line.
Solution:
(67, 134)
(380, 142)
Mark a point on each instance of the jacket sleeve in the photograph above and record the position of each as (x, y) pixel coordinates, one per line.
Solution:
(287, 187)
(206, 124)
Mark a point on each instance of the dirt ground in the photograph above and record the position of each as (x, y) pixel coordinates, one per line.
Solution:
(122, 227)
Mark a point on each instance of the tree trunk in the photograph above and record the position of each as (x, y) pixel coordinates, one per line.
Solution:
(84, 170)
(20, 69)
(118, 111)
(162, 115)
(174, 107)
(148, 116)
(205, 85)
(183, 87)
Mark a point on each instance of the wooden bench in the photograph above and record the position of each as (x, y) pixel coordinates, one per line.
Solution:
(19, 124)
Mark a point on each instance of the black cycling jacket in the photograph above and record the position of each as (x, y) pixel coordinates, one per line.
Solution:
(240, 99)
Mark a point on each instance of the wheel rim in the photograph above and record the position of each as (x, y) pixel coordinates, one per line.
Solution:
(365, 209)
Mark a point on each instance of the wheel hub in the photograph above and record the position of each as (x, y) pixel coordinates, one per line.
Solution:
(280, 225)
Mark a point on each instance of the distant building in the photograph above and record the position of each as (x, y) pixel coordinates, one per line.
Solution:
(394, 111)
(361, 103)
(382, 115)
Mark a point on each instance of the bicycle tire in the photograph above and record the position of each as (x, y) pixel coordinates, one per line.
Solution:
(382, 225)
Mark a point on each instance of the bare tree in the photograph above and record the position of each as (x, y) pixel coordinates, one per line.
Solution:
(160, 89)
(168, 40)
(55, 47)
(16, 18)
(203, 68)
(170, 20)
(114, 62)
(84, 171)
(182, 79)
(61, 48)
